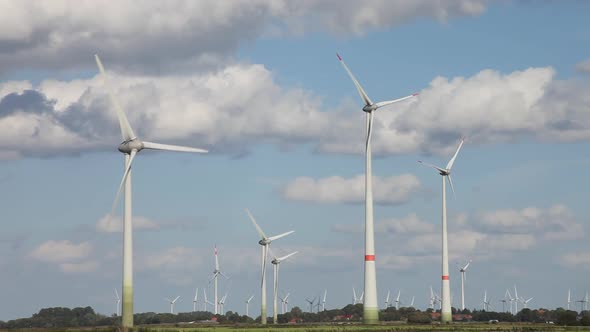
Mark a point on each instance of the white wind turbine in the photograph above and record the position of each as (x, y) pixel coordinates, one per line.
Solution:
(505, 300)
(118, 299)
(130, 146)
(412, 303)
(248, 304)
(222, 303)
(284, 303)
(569, 298)
(216, 273)
(584, 302)
(324, 300)
(387, 300)
(195, 300)
(355, 300)
(172, 303)
(463, 278)
(516, 299)
(205, 301)
(445, 312)
(276, 261)
(265, 243)
(525, 303)
(371, 307)
(486, 302)
(397, 301)
(310, 303)
(511, 300)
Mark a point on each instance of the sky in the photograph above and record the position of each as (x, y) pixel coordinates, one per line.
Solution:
(258, 84)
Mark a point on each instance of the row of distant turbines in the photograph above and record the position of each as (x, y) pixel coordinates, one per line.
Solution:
(132, 145)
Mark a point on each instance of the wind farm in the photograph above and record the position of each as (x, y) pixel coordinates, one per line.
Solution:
(260, 102)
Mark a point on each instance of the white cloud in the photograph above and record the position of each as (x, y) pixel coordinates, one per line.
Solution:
(410, 224)
(83, 267)
(336, 189)
(184, 33)
(584, 66)
(114, 224)
(61, 251)
(230, 109)
(576, 260)
(554, 223)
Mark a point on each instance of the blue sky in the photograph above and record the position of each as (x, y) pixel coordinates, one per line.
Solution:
(259, 85)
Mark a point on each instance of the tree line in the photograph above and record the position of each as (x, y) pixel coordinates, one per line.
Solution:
(59, 317)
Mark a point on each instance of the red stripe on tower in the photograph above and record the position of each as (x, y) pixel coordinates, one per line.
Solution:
(369, 258)
(445, 277)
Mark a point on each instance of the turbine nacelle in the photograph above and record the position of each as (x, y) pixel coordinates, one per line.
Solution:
(370, 108)
(130, 145)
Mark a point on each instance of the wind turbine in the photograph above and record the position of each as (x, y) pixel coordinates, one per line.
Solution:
(412, 303)
(222, 303)
(511, 300)
(387, 300)
(525, 303)
(584, 302)
(248, 303)
(370, 308)
(397, 301)
(516, 299)
(172, 303)
(324, 300)
(486, 302)
(310, 303)
(118, 299)
(569, 298)
(265, 243)
(445, 312)
(130, 146)
(432, 298)
(354, 298)
(216, 274)
(463, 278)
(284, 303)
(504, 300)
(195, 300)
(205, 301)
(276, 261)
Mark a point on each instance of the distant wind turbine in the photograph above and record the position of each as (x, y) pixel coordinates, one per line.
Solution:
(276, 261)
(265, 243)
(463, 279)
(195, 300)
(397, 301)
(216, 273)
(172, 303)
(130, 146)
(486, 302)
(445, 313)
(118, 299)
(248, 303)
(370, 307)
(284, 303)
(387, 300)
(324, 300)
(310, 303)
(205, 301)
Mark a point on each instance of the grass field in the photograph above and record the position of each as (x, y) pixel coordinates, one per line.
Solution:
(332, 328)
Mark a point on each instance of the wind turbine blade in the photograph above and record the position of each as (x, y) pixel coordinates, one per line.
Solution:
(125, 174)
(250, 299)
(389, 102)
(358, 86)
(168, 147)
(466, 266)
(258, 229)
(196, 295)
(223, 274)
(452, 161)
(276, 237)
(325, 294)
(174, 301)
(451, 183)
(286, 256)
(126, 131)
(116, 294)
(433, 166)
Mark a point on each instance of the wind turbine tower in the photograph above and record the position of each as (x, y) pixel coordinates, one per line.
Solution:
(265, 243)
(324, 300)
(195, 300)
(130, 146)
(216, 273)
(445, 313)
(371, 307)
(463, 278)
(276, 261)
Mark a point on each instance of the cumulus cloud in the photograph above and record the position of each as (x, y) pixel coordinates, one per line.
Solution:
(410, 224)
(584, 66)
(230, 109)
(576, 259)
(554, 223)
(335, 189)
(61, 251)
(60, 34)
(114, 224)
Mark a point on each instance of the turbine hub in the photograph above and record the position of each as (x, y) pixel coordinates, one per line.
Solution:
(264, 242)
(132, 144)
(369, 108)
